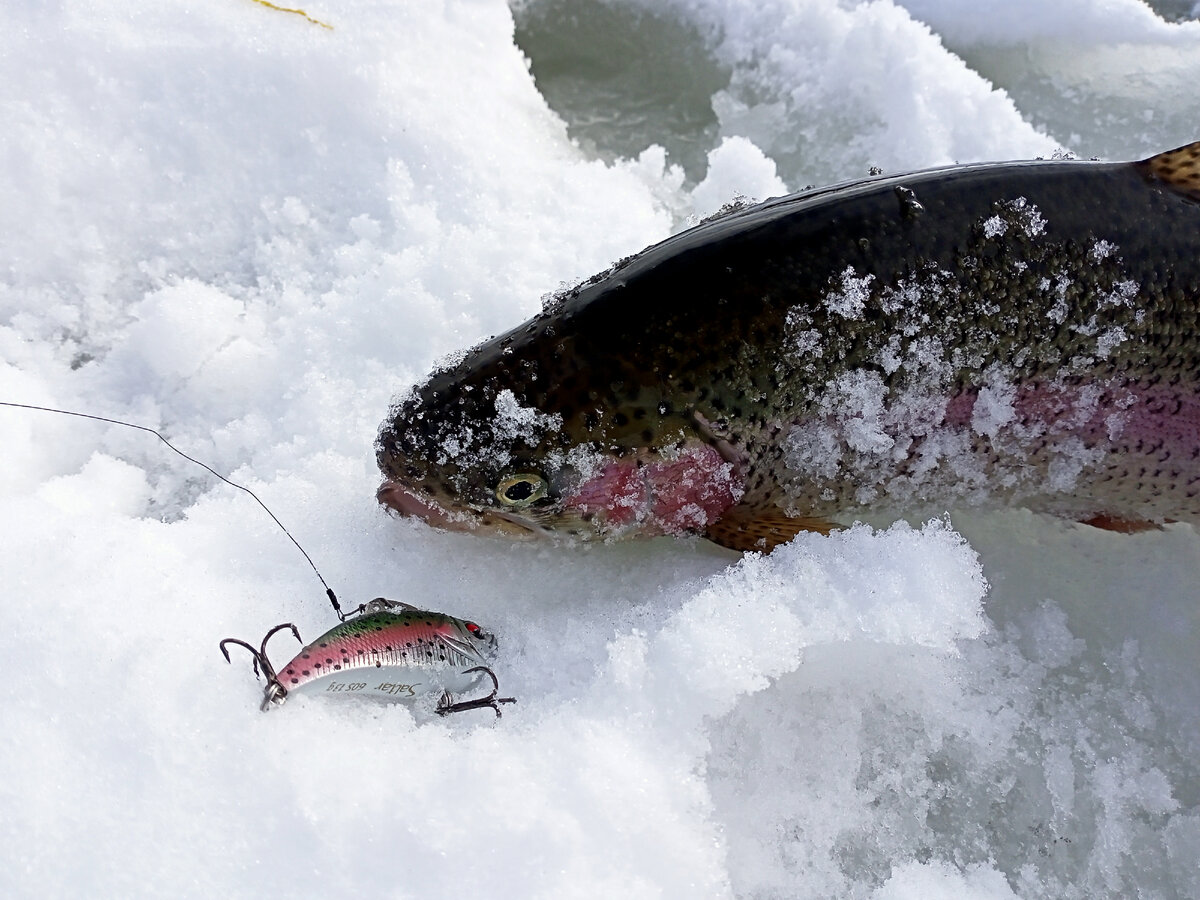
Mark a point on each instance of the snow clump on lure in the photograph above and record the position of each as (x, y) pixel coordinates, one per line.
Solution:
(390, 651)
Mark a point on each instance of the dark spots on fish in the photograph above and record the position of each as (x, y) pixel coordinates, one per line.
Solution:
(304, 656)
(305, 672)
(378, 664)
(620, 419)
(590, 421)
(639, 413)
(648, 436)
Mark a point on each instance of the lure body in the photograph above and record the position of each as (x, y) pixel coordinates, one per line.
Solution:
(393, 655)
(390, 651)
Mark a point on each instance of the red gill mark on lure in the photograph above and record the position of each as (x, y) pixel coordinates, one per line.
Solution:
(676, 496)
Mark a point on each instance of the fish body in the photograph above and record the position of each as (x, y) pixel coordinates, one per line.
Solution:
(393, 652)
(1001, 334)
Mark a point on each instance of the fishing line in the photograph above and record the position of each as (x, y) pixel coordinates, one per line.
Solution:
(398, 675)
(66, 412)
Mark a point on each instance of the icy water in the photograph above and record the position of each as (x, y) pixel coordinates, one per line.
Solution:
(250, 231)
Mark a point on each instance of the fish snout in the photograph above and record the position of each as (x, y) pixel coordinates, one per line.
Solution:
(410, 503)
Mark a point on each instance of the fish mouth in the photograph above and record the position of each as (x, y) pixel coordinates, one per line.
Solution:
(411, 504)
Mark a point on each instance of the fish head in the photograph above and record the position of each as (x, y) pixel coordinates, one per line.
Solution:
(517, 442)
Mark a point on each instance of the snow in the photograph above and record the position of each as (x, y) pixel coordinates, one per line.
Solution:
(736, 167)
(250, 232)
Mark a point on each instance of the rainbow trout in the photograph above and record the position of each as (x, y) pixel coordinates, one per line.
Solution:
(1019, 333)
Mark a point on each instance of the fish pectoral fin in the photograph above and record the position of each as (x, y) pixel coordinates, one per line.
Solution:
(1178, 168)
(743, 528)
(1122, 526)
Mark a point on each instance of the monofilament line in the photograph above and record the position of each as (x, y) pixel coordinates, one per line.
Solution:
(66, 412)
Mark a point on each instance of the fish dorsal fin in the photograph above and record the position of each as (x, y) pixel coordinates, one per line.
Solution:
(743, 528)
(1179, 169)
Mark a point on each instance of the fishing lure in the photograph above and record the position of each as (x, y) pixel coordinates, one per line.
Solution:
(390, 651)
(384, 649)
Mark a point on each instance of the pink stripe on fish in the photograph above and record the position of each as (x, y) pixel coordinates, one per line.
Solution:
(1129, 416)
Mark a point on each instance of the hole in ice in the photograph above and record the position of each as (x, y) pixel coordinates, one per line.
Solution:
(624, 78)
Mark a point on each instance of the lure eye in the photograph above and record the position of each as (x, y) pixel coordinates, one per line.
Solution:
(478, 633)
(521, 490)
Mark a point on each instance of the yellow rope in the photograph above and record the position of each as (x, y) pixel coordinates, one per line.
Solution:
(298, 12)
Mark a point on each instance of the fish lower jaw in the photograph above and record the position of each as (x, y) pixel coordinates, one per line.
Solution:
(408, 503)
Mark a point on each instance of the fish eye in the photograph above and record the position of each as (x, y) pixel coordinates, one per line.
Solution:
(520, 490)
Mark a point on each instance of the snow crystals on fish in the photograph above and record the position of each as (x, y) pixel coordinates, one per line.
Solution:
(515, 421)
(849, 299)
(993, 408)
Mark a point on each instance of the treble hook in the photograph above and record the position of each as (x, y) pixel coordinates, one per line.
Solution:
(491, 701)
(274, 692)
